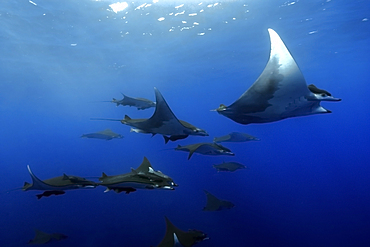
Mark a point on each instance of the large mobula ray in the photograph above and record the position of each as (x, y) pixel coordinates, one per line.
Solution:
(57, 185)
(215, 204)
(280, 92)
(144, 177)
(205, 148)
(106, 134)
(176, 237)
(44, 238)
(229, 166)
(235, 137)
(163, 122)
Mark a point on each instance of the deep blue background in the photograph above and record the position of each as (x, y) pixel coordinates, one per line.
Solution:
(308, 182)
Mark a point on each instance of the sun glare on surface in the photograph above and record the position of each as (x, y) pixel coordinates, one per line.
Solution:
(119, 6)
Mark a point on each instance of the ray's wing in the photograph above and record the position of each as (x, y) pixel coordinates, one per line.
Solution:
(163, 118)
(169, 237)
(38, 184)
(213, 203)
(280, 82)
(177, 237)
(144, 167)
(40, 237)
(197, 147)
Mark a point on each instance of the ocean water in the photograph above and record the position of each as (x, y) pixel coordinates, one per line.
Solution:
(308, 178)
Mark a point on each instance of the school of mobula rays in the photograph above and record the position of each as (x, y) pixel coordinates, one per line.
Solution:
(280, 92)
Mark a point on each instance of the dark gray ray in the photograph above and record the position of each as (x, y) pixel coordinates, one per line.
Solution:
(139, 103)
(205, 148)
(56, 185)
(229, 166)
(176, 237)
(215, 204)
(163, 122)
(144, 177)
(106, 134)
(44, 238)
(280, 92)
(235, 137)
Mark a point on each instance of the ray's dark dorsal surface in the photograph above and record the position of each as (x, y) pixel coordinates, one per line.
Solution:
(144, 177)
(57, 185)
(215, 204)
(229, 167)
(176, 237)
(205, 148)
(44, 238)
(280, 92)
(139, 103)
(235, 137)
(162, 122)
(106, 134)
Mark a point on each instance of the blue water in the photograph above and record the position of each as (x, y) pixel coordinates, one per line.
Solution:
(308, 178)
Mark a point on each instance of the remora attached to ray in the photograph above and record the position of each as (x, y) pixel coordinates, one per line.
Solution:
(280, 92)
(205, 148)
(57, 185)
(106, 134)
(139, 103)
(144, 177)
(176, 237)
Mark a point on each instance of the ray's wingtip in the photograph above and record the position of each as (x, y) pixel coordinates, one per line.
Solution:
(29, 169)
(271, 31)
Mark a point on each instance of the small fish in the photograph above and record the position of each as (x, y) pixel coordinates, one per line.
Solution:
(174, 138)
(50, 192)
